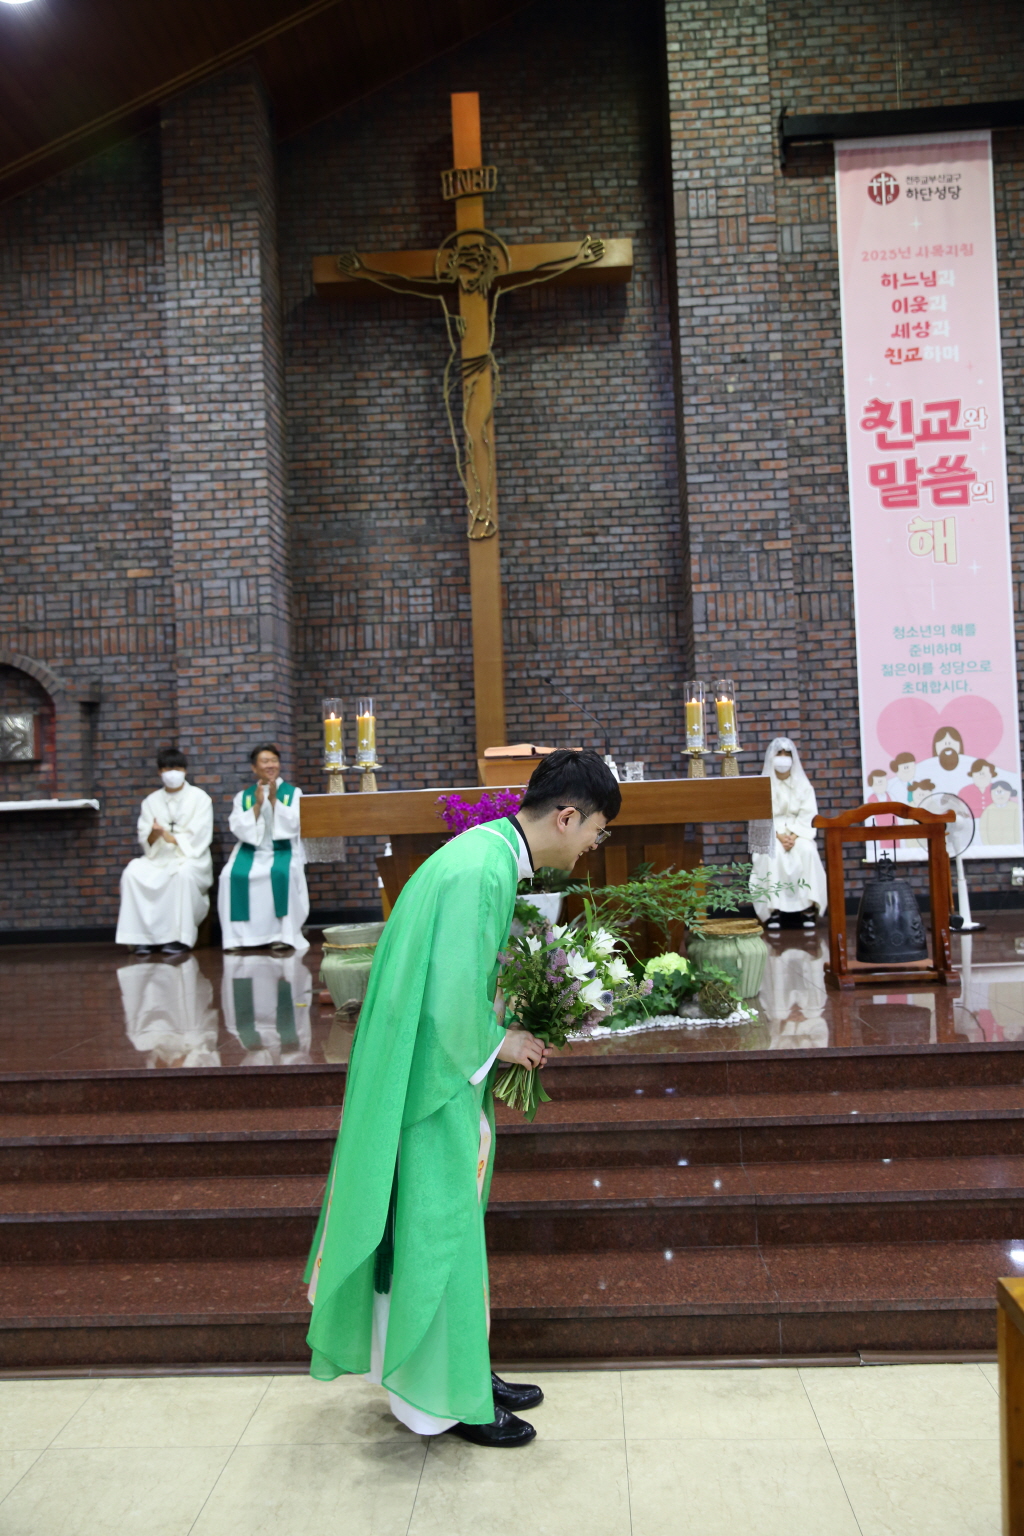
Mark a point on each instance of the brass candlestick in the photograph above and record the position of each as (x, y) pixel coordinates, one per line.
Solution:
(697, 768)
(730, 767)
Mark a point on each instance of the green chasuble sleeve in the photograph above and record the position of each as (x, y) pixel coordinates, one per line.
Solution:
(426, 1027)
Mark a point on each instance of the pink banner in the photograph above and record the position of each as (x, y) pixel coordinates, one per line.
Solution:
(928, 500)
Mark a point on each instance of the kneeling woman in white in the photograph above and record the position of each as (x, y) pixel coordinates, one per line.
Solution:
(263, 897)
(794, 863)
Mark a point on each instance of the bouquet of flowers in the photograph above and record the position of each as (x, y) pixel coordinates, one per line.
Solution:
(555, 980)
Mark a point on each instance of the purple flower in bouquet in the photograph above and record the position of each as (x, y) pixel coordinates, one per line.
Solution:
(459, 814)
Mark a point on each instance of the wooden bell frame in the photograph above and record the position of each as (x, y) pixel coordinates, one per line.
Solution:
(848, 827)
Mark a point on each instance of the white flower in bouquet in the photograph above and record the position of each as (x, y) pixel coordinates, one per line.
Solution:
(533, 944)
(616, 970)
(594, 995)
(578, 965)
(602, 942)
(559, 931)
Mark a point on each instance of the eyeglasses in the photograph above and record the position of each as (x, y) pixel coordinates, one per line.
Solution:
(599, 837)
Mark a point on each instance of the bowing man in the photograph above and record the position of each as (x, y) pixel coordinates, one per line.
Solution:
(164, 892)
(263, 897)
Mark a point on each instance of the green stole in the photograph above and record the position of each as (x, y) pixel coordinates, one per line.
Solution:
(279, 870)
(245, 1013)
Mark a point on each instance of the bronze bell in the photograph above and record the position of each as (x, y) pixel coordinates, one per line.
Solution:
(889, 926)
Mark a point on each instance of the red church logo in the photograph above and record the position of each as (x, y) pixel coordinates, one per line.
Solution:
(883, 188)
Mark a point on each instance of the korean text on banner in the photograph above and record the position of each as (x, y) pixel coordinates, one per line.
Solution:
(928, 498)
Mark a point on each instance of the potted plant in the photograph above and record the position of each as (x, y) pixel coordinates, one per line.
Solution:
(691, 897)
(545, 892)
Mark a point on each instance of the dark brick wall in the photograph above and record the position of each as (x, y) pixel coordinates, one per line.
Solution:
(84, 505)
(761, 386)
(225, 428)
(141, 417)
(206, 469)
(588, 489)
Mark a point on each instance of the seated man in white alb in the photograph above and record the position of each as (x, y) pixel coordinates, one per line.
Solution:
(263, 897)
(795, 865)
(164, 893)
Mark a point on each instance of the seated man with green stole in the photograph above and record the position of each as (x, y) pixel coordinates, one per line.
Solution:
(398, 1269)
(262, 897)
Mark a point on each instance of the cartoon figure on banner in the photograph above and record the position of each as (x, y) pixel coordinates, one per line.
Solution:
(1000, 821)
(991, 790)
(905, 785)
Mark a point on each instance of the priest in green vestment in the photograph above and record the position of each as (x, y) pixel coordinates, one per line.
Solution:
(398, 1269)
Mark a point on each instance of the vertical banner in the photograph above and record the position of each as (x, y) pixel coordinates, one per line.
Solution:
(928, 500)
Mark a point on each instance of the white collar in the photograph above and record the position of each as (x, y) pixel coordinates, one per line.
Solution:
(525, 863)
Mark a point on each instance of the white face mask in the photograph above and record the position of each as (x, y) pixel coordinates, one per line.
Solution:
(173, 778)
(783, 763)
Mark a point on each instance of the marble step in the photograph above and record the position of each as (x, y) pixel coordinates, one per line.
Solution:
(167, 1144)
(160, 1220)
(606, 1068)
(565, 1211)
(666, 1127)
(645, 1129)
(740, 1301)
(709, 1205)
(746, 1301)
(148, 1091)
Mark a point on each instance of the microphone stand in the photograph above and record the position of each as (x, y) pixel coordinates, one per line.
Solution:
(584, 710)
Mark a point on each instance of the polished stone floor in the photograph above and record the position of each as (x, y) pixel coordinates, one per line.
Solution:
(91, 1007)
(846, 1451)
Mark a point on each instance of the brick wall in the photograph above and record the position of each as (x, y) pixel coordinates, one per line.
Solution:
(588, 491)
(208, 470)
(225, 428)
(761, 389)
(143, 488)
(83, 499)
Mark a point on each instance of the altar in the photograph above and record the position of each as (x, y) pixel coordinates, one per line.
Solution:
(659, 824)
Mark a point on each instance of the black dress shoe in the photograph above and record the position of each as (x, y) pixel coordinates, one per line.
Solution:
(174, 948)
(506, 1430)
(144, 949)
(514, 1396)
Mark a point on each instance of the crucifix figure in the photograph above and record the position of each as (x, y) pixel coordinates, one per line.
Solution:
(466, 275)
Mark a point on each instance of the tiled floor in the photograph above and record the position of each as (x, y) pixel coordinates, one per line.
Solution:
(880, 1451)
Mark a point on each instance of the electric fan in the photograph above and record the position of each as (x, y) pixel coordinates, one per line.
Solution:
(959, 837)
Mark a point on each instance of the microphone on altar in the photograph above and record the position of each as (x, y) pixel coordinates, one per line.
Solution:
(590, 716)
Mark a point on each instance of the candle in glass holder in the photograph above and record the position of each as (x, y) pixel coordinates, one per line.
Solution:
(331, 711)
(366, 734)
(694, 716)
(725, 709)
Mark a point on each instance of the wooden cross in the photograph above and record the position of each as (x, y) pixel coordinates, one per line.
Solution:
(476, 266)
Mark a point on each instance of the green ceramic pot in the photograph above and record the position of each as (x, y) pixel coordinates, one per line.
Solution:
(345, 977)
(742, 955)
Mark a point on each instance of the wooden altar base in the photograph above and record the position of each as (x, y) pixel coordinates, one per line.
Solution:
(843, 1175)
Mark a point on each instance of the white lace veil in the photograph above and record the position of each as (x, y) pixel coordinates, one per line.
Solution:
(761, 834)
(783, 744)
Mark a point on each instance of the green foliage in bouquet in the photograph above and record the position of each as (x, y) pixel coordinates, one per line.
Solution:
(688, 896)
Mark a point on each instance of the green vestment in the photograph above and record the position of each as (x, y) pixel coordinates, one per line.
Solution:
(426, 1027)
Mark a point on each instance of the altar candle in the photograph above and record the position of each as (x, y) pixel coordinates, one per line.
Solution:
(366, 733)
(332, 735)
(726, 712)
(330, 714)
(694, 693)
